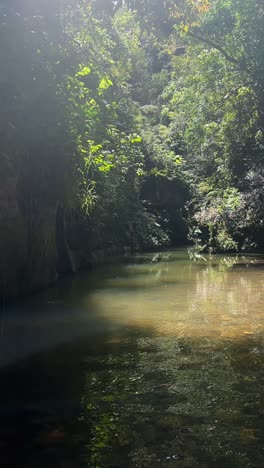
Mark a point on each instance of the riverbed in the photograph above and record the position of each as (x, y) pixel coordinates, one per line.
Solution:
(154, 361)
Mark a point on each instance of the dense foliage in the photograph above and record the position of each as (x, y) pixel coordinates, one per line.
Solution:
(136, 115)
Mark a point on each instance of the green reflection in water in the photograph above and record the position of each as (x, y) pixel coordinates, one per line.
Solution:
(213, 297)
(176, 380)
(171, 402)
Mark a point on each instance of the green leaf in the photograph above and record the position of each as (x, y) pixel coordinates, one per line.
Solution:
(105, 83)
(135, 139)
(84, 71)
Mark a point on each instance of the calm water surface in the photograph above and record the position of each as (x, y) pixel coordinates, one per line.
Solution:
(157, 362)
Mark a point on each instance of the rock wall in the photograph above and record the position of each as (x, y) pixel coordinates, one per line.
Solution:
(37, 245)
(27, 243)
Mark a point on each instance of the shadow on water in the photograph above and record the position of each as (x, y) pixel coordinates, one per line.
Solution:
(51, 318)
(172, 382)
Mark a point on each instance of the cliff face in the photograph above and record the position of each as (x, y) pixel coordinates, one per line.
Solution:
(27, 243)
(36, 243)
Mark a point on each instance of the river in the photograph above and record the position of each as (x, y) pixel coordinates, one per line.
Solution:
(156, 361)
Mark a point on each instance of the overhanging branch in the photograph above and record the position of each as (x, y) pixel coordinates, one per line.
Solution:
(206, 40)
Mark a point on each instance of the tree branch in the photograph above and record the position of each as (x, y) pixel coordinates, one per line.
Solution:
(211, 43)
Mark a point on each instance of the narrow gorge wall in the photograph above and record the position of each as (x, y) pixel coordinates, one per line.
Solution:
(37, 245)
(27, 243)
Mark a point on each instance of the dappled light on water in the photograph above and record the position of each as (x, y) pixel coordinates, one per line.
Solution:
(158, 362)
(219, 297)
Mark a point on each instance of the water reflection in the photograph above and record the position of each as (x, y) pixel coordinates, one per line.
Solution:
(162, 404)
(220, 296)
(155, 363)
